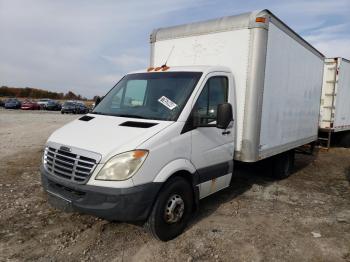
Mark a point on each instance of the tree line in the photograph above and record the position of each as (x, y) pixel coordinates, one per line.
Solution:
(37, 93)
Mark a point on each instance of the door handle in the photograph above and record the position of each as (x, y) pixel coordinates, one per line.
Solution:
(226, 132)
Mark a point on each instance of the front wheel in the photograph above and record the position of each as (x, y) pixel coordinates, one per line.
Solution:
(172, 210)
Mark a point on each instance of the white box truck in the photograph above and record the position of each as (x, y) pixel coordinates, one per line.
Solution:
(244, 88)
(335, 102)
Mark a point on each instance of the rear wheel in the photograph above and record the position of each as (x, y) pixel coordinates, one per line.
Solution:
(345, 140)
(172, 210)
(282, 164)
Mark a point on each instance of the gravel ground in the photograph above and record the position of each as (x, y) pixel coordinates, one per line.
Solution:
(303, 218)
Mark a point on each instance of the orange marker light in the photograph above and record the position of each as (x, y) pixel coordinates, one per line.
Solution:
(260, 20)
(164, 68)
(157, 68)
(139, 153)
(150, 69)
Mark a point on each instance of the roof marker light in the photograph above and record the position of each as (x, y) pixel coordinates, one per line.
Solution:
(260, 19)
(150, 69)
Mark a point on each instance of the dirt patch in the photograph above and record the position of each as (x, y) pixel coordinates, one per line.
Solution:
(303, 218)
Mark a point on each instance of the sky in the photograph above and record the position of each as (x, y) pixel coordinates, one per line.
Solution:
(87, 46)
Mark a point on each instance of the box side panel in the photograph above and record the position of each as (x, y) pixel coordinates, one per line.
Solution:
(292, 93)
(229, 49)
(328, 93)
(342, 98)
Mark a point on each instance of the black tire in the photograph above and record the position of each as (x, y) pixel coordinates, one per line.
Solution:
(157, 222)
(62, 112)
(283, 164)
(345, 139)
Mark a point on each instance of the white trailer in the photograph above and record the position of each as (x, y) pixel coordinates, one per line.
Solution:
(335, 101)
(277, 75)
(244, 87)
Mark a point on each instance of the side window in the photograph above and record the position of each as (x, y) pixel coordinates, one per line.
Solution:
(214, 93)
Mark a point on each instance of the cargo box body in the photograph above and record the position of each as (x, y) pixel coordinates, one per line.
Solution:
(335, 102)
(278, 77)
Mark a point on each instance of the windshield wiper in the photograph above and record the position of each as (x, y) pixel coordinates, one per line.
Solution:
(99, 113)
(131, 116)
(125, 115)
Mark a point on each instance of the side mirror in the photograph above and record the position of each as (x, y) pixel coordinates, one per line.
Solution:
(224, 115)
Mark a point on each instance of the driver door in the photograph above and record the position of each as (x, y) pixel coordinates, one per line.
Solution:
(212, 148)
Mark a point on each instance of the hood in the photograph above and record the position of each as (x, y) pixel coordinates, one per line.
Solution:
(107, 135)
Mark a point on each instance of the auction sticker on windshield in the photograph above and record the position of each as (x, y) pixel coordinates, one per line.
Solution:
(167, 102)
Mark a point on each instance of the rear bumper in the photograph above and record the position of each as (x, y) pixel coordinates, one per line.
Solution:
(116, 204)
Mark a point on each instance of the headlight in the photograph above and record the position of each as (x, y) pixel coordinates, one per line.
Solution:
(122, 166)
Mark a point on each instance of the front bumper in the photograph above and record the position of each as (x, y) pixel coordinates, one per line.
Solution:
(115, 204)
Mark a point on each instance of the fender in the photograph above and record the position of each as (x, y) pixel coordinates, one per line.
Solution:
(173, 167)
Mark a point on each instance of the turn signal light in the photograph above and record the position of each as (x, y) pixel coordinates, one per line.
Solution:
(139, 153)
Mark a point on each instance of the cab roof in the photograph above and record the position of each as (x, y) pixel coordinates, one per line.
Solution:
(200, 68)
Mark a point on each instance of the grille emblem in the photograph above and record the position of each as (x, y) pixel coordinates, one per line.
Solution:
(65, 148)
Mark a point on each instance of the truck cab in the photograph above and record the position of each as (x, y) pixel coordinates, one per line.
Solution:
(159, 141)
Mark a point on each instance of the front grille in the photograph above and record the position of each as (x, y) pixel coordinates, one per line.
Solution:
(67, 165)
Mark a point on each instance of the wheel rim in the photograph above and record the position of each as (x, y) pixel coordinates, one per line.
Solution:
(174, 209)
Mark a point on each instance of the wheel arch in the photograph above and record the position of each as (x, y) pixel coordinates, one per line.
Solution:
(180, 168)
(176, 166)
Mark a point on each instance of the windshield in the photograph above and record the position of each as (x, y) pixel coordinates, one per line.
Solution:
(159, 96)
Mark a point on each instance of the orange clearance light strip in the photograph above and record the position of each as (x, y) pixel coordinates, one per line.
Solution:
(150, 69)
(157, 68)
(260, 20)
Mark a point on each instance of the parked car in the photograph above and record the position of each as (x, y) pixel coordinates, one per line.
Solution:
(12, 103)
(30, 105)
(74, 107)
(53, 106)
(43, 102)
(82, 108)
(2, 103)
